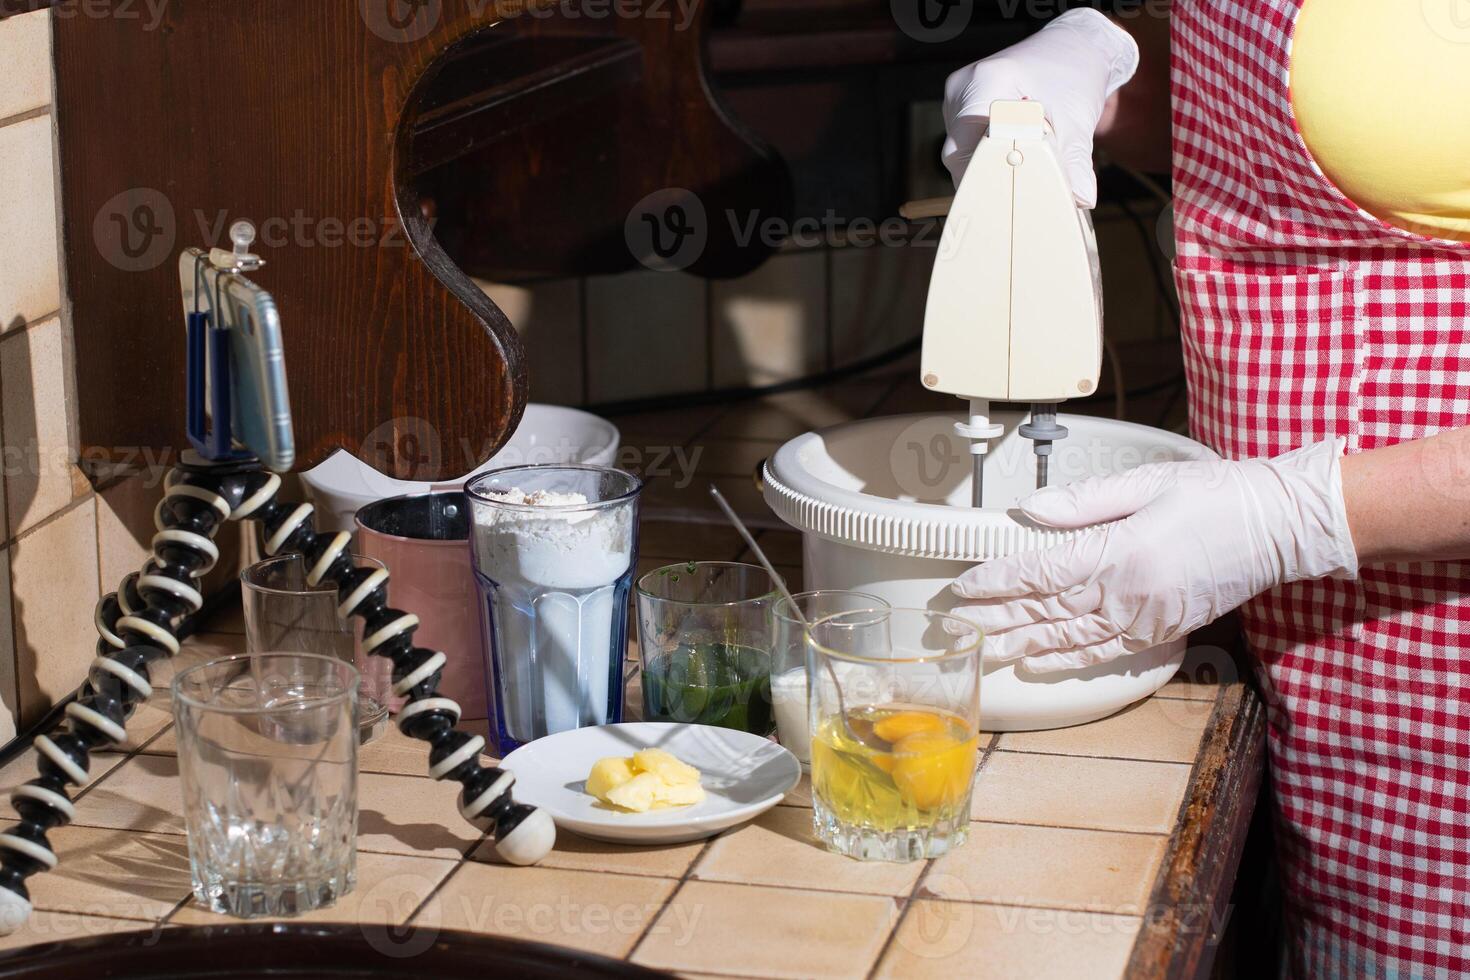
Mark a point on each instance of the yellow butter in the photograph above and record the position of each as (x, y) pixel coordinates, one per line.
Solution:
(651, 779)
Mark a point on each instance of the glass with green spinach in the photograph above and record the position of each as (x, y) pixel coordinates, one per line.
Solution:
(704, 638)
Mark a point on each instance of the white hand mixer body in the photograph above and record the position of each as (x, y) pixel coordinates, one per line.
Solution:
(1015, 298)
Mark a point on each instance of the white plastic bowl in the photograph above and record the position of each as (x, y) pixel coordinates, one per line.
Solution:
(884, 505)
(342, 484)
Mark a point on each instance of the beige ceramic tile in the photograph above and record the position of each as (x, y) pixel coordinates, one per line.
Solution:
(30, 268)
(25, 51)
(781, 417)
(22, 769)
(677, 425)
(9, 691)
(548, 317)
(53, 576)
(731, 457)
(1205, 671)
(671, 541)
(114, 873)
(665, 499)
(782, 547)
(394, 753)
(778, 849)
(768, 932)
(878, 298)
(575, 853)
(1010, 864)
(54, 927)
(801, 795)
(390, 888)
(39, 471)
(602, 913)
(142, 794)
(1065, 791)
(771, 325)
(1158, 730)
(945, 940)
(646, 333)
(125, 527)
(411, 815)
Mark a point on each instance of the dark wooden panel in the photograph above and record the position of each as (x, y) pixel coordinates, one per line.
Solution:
(301, 116)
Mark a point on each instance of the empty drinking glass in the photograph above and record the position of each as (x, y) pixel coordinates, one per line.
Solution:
(788, 658)
(282, 612)
(268, 769)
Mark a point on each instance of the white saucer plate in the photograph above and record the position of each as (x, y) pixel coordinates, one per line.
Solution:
(743, 776)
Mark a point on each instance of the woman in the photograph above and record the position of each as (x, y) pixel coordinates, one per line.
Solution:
(1321, 158)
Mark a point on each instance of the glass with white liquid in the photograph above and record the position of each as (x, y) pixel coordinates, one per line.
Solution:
(789, 688)
(554, 549)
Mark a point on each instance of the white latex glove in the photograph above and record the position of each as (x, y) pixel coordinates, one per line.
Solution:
(1072, 66)
(1191, 542)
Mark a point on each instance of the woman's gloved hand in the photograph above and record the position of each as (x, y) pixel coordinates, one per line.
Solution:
(1189, 543)
(1072, 66)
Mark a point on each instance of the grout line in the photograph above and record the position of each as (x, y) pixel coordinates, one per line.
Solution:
(51, 518)
(678, 887)
(434, 892)
(1106, 758)
(1072, 826)
(19, 117)
(26, 326)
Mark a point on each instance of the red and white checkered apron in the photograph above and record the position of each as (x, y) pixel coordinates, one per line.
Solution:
(1307, 318)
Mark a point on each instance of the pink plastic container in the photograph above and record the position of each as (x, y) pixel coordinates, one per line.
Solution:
(423, 540)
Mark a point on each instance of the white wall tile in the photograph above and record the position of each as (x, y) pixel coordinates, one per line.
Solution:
(40, 476)
(646, 335)
(878, 297)
(771, 325)
(548, 317)
(30, 268)
(53, 574)
(125, 526)
(25, 51)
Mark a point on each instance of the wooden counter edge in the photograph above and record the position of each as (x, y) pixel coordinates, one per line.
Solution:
(1189, 907)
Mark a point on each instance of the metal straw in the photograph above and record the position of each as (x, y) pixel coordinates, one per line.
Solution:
(760, 556)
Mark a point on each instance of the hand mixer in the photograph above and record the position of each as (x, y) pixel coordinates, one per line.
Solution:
(1015, 298)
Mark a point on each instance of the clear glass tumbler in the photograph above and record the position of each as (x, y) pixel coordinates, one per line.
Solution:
(554, 549)
(268, 768)
(282, 612)
(895, 715)
(788, 658)
(704, 642)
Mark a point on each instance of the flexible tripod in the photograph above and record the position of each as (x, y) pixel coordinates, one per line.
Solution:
(138, 626)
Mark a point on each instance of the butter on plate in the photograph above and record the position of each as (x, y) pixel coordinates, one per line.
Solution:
(650, 779)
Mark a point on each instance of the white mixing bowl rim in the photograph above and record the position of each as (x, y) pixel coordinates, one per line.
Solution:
(921, 530)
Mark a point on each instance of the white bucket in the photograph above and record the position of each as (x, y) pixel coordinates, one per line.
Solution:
(883, 505)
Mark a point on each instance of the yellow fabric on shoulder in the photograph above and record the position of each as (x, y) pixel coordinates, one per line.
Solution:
(1381, 92)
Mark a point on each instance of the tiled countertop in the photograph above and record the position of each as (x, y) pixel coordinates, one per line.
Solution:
(1072, 831)
(1089, 845)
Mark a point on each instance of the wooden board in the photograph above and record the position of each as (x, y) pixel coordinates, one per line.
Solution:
(300, 116)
